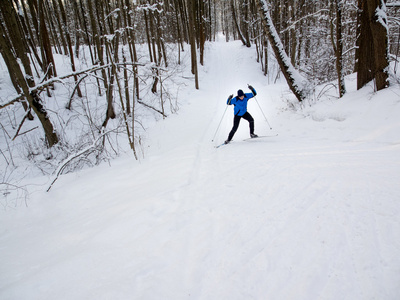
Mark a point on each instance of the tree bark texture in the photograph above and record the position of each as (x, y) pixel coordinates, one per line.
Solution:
(372, 52)
(32, 97)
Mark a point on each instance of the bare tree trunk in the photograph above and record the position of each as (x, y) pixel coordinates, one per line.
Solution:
(28, 32)
(293, 35)
(160, 44)
(17, 40)
(192, 38)
(226, 21)
(97, 33)
(47, 54)
(235, 20)
(132, 48)
(364, 52)
(265, 41)
(378, 23)
(338, 45)
(372, 42)
(124, 112)
(146, 22)
(69, 42)
(178, 27)
(32, 97)
(245, 21)
(61, 27)
(201, 33)
(78, 29)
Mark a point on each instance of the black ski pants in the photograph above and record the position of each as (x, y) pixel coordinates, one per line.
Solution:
(236, 121)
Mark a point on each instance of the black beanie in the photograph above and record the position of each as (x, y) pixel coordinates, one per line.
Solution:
(240, 93)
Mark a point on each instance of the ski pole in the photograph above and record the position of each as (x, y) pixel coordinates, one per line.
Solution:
(219, 124)
(262, 112)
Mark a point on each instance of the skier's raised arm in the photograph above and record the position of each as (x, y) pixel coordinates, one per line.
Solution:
(252, 89)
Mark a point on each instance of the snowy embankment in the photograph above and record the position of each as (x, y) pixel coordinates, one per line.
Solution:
(309, 214)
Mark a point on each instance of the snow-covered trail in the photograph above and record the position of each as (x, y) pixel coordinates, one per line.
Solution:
(309, 214)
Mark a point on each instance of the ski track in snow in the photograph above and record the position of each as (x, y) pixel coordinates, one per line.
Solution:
(304, 215)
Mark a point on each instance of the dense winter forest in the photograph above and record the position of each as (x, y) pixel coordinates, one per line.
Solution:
(79, 69)
(116, 182)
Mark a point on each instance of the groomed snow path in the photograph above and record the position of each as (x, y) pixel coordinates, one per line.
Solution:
(312, 213)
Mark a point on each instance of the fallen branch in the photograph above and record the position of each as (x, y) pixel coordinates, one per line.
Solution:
(153, 108)
(66, 161)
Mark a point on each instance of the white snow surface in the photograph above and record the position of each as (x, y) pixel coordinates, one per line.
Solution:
(312, 213)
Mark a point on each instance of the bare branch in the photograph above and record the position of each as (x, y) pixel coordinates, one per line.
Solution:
(42, 86)
(15, 100)
(153, 108)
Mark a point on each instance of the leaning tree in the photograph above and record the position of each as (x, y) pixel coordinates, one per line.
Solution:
(297, 83)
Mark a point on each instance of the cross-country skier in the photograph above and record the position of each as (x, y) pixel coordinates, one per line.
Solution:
(240, 111)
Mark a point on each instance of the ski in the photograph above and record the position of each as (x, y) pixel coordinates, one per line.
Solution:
(251, 138)
(260, 136)
(223, 144)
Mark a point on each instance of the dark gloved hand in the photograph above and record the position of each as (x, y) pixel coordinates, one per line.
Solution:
(252, 89)
(229, 98)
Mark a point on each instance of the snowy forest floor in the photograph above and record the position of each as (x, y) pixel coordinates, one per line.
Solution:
(312, 213)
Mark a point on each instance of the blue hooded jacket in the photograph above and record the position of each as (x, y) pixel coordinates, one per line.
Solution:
(240, 105)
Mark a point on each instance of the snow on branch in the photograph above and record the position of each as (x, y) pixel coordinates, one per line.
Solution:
(15, 100)
(42, 86)
(293, 24)
(153, 7)
(86, 71)
(381, 16)
(114, 12)
(393, 4)
(298, 84)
